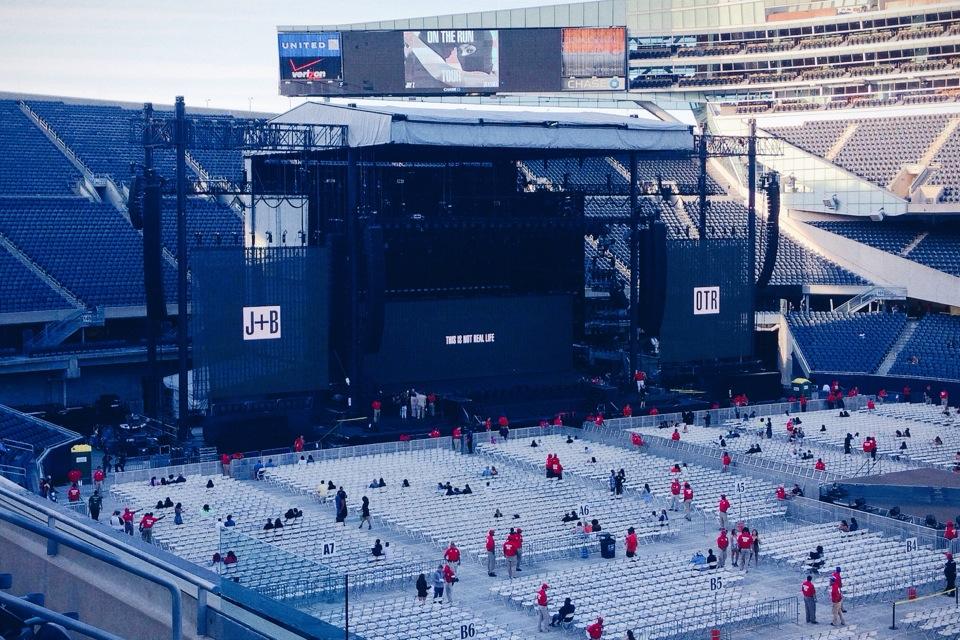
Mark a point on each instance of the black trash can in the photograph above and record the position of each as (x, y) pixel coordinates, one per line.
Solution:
(608, 546)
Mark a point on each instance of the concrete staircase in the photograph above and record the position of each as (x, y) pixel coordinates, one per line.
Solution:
(891, 358)
(841, 141)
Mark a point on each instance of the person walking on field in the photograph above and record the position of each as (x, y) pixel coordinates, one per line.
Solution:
(809, 599)
(836, 599)
(491, 554)
(543, 617)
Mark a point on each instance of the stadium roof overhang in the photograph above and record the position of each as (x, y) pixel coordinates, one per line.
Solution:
(369, 126)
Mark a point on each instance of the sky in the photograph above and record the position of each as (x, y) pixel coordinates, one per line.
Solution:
(216, 53)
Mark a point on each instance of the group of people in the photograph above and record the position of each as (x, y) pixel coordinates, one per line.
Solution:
(742, 544)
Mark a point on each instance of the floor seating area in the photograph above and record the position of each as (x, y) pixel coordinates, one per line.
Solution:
(778, 450)
(856, 342)
(427, 514)
(856, 553)
(758, 498)
(942, 622)
(301, 541)
(649, 595)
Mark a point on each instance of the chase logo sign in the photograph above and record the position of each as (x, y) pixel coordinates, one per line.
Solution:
(261, 323)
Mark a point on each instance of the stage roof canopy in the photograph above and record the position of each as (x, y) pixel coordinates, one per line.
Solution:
(500, 128)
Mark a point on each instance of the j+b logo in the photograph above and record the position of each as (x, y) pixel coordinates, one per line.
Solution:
(261, 323)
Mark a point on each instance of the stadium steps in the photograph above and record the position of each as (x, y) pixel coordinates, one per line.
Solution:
(891, 358)
(206, 177)
(841, 141)
(34, 268)
(913, 243)
(940, 140)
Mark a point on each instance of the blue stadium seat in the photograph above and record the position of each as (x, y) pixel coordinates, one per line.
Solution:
(936, 347)
(837, 342)
(29, 163)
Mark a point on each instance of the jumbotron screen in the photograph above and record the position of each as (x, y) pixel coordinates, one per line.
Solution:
(452, 61)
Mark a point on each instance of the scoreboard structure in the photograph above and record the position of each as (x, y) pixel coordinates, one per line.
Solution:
(431, 62)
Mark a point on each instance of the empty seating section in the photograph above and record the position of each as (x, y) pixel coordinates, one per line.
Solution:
(795, 264)
(836, 342)
(816, 137)
(777, 449)
(28, 430)
(314, 538)
(614, 173)
(89, 248)
(395, 618)
(29, 163)
(757, 500)
(889, 237)
(936, 247)
(948, 171)
(100, 136)
(207, 221)
(944, 622)
(219, 163)
(650, 595)
(879, 147)
(933, 350)
(426, 513)
(22, 290)
(863, 576)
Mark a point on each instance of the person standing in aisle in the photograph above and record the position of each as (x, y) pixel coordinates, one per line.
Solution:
(836, 599)
(722, 543)
(687, 501)
(491, 555)
(722, 509)
(438, 582)
(449, 578)
(809, 599)
(543, 617)
(950, 574)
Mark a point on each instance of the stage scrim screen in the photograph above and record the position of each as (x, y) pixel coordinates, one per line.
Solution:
(445, 61)
(260, 321)
(707, 314)
(472, 338)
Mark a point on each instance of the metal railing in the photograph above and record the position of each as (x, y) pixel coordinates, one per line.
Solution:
(20, 605)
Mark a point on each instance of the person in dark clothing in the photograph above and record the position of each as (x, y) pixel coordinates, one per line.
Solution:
(277, 524)
(769, 431)
(950, 573)
(377, 550)
(422, 588)
(846, 443)
(269, 525)
(564, 614)
(95, 504)
(341, 504)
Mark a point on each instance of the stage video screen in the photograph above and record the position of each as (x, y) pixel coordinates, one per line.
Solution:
(708, 302)
(426, 341)
(452, 61)
(260, 321)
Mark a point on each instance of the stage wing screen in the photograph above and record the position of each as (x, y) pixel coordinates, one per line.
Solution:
(472, 338)
(451, 61)
(708, 301)
(260, 321)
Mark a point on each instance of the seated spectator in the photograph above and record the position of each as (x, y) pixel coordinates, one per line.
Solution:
(497, 514)
(277, 524)
(381, 484)
(711, 559)
(230, 522)
(269, 525)
(797, 491)
(843, 526)
(373, 484)
(466, 489)
(210, 483)
(231, 558)
(310, 459)
(153, 481)
(493, 471)
(406, 484)
(167, 503)
(302, 461)
(377, 550)
(180, 479)
(565, 614)
(854, 525)
(595, 526)
(533, 443)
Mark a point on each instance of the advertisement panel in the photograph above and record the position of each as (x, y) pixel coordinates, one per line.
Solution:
(444, 61)
(311, 57)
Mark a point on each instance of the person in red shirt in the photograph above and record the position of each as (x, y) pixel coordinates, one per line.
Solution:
(98, 477)
(674, 494)
(630, 542)
(725, 461)
(432, 404)
(653, 411)
(627, 411)
(404, 437)
(636, 439)
(598, 420)
(74, 476)
(452, 554)
(803, 403)
(675, 436)
(687, 500)
(548, 466)
(836, 598)
(491, 547)
(449, 578)
(557, 468)
(906, 393)
(882, 395)
(595, 630)
(723, 542)
(781, 493)
(298, 444)
(146, 526)
(543, 618)
(127, 518)
(831, 400)
(640, 379)
(871, 405)
(820, 466)
(790, 426)
(853, 393)
(944, 397)
(949, 532)
(722, 507)
(376, 405)
(510, 553)
(809, 599)
(744, 547)
(435, 433)
(558, 421)
(73, 493)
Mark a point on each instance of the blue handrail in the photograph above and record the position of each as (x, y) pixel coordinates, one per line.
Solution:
(176, 602)
(14, 603)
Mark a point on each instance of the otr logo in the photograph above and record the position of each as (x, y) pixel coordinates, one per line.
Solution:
(261, 323)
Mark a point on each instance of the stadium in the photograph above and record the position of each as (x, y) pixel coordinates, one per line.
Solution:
(626, 319)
